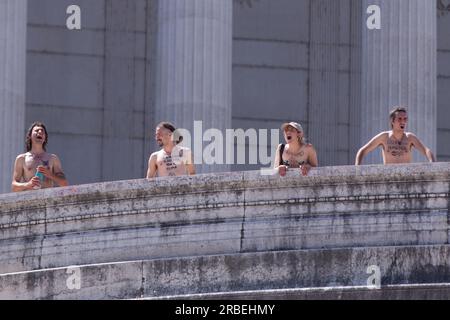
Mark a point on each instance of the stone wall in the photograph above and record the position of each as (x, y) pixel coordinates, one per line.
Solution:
(242, 229)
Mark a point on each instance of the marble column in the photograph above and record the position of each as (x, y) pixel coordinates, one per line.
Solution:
(13, 22)
(399, 68)
(193, 67)
(328, 82)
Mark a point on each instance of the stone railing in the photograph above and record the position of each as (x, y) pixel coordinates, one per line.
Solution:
(244, 216)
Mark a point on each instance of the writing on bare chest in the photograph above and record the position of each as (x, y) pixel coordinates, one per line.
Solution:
(398, 148)
(169, 162)
(32, 162)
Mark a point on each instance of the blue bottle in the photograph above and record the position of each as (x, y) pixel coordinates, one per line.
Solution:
(41, 178)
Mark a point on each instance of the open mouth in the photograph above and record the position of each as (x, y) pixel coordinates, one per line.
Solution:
(289, 137)
(402, 127)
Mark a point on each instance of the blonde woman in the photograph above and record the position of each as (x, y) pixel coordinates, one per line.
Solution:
(296, 153)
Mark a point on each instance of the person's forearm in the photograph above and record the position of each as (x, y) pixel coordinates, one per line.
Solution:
(19, 186)
(60, 180)
(312, 164)
(151, 174)
(191, 170)
(430, 156)
(359, 157)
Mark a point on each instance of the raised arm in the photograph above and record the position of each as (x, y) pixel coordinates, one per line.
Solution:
(369, 147)
(422, 148)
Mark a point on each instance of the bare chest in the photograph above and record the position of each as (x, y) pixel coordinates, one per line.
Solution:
(296, 159)
(171, 164)
(32, 162)
(398, 149)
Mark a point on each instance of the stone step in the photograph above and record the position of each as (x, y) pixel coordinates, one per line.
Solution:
(246, 272)
(428, 291)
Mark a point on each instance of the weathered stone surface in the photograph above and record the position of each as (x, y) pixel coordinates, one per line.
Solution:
(227, 213)
(230, 232)
(264, 274)
(391, 292)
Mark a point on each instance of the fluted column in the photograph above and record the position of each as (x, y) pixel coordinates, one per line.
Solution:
(399, 68)
(193, 66)
(327, 87)
(13, 22)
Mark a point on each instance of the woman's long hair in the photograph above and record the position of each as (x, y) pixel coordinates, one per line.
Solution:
(28, 138)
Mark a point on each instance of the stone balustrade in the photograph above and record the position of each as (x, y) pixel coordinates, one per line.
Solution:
(229, 232)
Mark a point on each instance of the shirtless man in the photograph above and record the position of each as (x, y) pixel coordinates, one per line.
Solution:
(296, 153)
(171, 160)
(396, 144)
(37, 162)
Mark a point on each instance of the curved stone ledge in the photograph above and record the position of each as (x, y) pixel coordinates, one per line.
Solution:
(225, 213)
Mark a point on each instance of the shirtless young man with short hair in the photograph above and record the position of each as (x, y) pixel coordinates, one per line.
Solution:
(396, 144)
(37, 160)
(171, 160)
